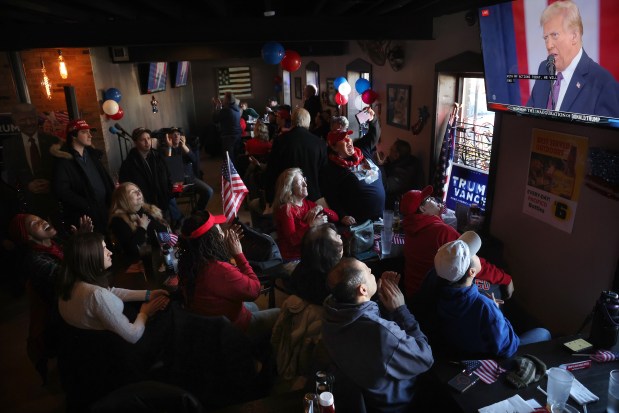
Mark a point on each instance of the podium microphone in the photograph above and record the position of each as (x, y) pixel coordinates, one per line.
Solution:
(550, 66)
(120, 128)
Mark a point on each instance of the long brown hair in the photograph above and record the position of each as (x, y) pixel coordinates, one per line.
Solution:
(83, 261)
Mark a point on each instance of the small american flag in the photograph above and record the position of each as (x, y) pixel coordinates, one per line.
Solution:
(233, 190)
(167, 238)
(487, 370)
(236, 80)
(603, 356)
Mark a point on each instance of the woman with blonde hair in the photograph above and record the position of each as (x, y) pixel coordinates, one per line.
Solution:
(133, 222)
(294, 214)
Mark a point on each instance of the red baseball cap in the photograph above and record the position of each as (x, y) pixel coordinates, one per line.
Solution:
(412, 199)
(283, 113)
(78, 124)
(337, 135)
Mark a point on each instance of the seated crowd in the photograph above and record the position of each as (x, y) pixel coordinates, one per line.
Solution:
(376, 336)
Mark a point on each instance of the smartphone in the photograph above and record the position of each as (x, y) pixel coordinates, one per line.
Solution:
(363, 117)
(578, 346)
(463, 381)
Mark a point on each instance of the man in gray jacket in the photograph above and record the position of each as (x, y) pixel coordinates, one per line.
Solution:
(377, 357)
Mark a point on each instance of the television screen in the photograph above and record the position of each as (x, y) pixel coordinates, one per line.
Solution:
(180, 72)
(152, 76)
(554, 70)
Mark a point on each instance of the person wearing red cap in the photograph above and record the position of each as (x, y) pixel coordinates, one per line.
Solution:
(424, 233)
(212, 286)
(351, 181)
(82, 183)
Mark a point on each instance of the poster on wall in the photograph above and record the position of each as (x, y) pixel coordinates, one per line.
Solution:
(556, 171)
(466, 186)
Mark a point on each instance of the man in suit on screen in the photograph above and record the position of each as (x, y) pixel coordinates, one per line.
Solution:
(582, 85)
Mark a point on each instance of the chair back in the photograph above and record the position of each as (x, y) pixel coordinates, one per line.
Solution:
(260, 249)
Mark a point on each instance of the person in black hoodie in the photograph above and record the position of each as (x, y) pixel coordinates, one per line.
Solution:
(146, 168)
(401, 171)
(81, 182)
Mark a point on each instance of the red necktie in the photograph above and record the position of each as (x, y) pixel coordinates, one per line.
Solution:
(35, 157)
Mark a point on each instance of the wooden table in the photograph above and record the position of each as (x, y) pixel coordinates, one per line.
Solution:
(291, 402)
(553, 354)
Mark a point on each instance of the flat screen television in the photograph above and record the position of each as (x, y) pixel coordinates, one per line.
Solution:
(179, 72)
(152, 77)
(518, 72)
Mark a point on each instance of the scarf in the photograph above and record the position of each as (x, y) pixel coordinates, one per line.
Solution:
(349, 162)
(54, 250)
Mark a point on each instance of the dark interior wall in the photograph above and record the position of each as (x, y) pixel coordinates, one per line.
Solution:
(557, 275)
(204, 77)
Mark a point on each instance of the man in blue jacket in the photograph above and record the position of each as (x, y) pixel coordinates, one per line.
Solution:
(470, 321)
(378, 359)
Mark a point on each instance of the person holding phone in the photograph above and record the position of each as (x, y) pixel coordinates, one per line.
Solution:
(351, 182)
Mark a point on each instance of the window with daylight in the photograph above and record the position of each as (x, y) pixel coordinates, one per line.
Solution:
(312, 75)
(236, 80)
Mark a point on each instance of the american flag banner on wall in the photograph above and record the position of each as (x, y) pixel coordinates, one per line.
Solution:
(233, 190)
(236, 80)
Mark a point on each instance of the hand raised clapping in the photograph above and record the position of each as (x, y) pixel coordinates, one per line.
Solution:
(388, 291)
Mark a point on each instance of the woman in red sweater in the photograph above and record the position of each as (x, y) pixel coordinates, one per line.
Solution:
(294, 214)
(211, 284)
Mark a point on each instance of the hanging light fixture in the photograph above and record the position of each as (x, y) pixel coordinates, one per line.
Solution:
(62, 66)
(47, 85)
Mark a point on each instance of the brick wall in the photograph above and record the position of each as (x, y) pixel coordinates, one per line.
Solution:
(80, 77)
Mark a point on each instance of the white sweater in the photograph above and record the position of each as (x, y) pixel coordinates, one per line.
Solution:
(96, 308)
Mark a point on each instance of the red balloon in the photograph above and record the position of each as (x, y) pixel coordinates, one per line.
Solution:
(341, 99)
(369, 96)
(291, 61)
(118, 115)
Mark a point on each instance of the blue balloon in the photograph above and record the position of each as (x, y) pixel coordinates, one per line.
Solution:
(338, 81)
(361, 85)
(278, 88)
(273, 53)
(113, 94)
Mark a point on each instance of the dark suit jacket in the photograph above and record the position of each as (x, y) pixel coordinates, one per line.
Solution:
(592, 90)
(19, 174)
(17, 168)
(298, 148)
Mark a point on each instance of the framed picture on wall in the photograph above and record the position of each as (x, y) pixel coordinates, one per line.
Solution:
(330, 92)
(399, 105)
(298, 88)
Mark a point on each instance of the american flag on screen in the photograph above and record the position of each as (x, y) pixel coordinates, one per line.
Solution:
(603, 356)
(236, 80)
(487, 370)
(233, 190)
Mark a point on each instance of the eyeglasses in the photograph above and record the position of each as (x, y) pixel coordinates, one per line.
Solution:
(428, 199)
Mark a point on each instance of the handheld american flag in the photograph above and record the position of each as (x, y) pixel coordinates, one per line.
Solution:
(603, 356)
(487, 370)
(167, 238)
(233, 190)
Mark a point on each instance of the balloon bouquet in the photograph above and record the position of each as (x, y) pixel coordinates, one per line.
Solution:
(110, 104)
(274, 53)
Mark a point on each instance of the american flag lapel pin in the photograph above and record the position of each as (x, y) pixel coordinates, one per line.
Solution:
(578, 85)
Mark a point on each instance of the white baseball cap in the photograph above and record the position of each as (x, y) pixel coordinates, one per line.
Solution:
(453, 259)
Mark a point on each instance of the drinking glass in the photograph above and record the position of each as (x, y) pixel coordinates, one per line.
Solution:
(559, 386)
(613, 392)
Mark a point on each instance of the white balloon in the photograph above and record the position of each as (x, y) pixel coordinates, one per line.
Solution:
(359, 104)
(110, 107)
(344, 89)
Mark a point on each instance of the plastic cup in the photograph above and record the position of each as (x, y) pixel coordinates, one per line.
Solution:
(559, 386)
(566, 408)
(388, 219)
(386, 238)
(613, 392)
